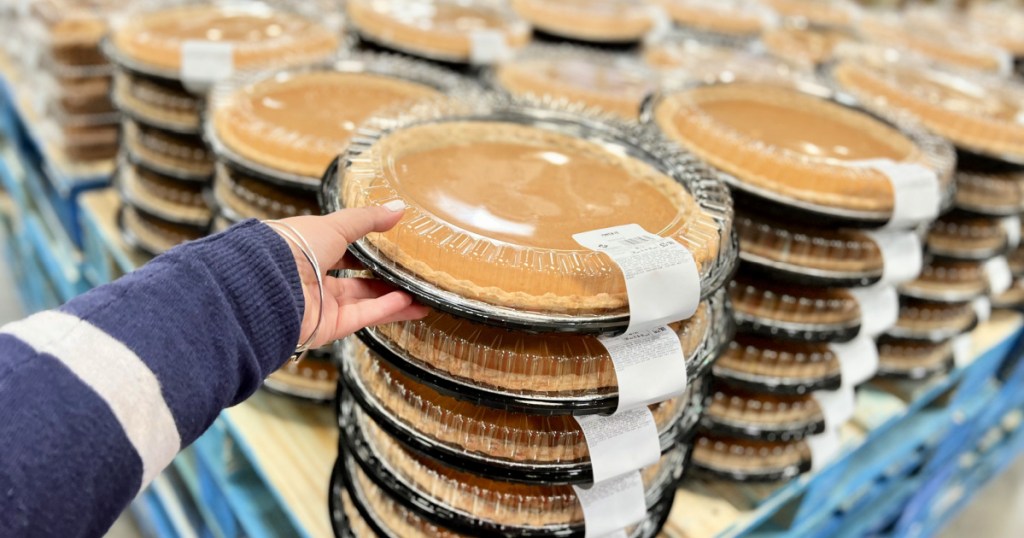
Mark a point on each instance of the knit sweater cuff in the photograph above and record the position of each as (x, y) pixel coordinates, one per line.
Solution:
(260, 277)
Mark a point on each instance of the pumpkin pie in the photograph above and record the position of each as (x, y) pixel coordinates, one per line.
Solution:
(151, 235)
(943, 280)
(297, 123)
(681, 58)
(759, 415)
(747, 460)
(909, 359)
(511, 505)
(797, 312)
(978, 113)
(762, 364)
(514, 362)
(789, 144)
(169, 199)
(444, 30)
(598, 21)
(314, 378)
(245, 197)
(966, 237)
(817, 12)
(809, 252)
(611, 83)
(172, 154)
(990, 193)
(924, 320)
(477, 431)
(492, 206)
(735, 18)
(939, 43)
(161, 103)
(803, 46)
(261, 37)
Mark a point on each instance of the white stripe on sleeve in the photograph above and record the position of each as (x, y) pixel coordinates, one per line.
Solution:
(114, 372)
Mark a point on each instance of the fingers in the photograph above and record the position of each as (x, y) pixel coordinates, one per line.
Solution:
(349, 262)
(330, 235)
(349, 290)
(409, 313)
(367, 312)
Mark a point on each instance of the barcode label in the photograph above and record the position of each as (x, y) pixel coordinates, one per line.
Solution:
(637, 240)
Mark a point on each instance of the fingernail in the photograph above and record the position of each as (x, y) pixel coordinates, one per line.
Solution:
(395, 206)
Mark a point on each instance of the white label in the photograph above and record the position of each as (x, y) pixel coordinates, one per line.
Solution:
(662, 281)
(982, 308)
(1012, 227)
(963, 350)
(661, 24)
(999, 275)
(621, 443)
(916, 193)
(1005, 62)
(204, 63)
(836, 405)
(649, 365)
(858, 360)
(879, 309)
(488, 47)
(613, 505)
(902, 255)
(824, 448)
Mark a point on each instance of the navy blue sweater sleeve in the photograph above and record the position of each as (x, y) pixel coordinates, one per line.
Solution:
(98, 396)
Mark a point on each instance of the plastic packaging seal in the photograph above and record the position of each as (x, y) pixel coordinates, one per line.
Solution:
(621, 443)
(879, 308)
(488, 47)
(999, 275)
(662, 280)
(824, 448)
(1012, 226)
(917, 196)
(902, 255)
(963, 350)
(858, 360)
(650, 366)
(982, 308)
(613, 505)
(204, 63)
(837, 406)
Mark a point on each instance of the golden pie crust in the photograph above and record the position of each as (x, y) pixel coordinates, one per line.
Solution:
(751, 356)
(766, 300)
(510, 189)
(588, 20)
(734, 18)
(737, 406)
(1002, 191)
(745, 455)
(519, 362)
(389, 513)
(261, 37)
(978, 117)
(311, 377)
(614, 86)
(920, 316)
(784, 141)
(155, 236)
(839, 250)
(298, 124)
(250, 198)
(939, 277)
(442, 32)
(172, 199)
(966, 236)
(167, 151)
(492, 432)
(156, 102)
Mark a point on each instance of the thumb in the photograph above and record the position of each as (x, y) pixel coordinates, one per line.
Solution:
(330, 235)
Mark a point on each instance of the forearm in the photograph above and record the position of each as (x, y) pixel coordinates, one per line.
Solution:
(99, 396)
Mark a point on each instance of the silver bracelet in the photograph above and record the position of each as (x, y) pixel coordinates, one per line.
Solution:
(292, 235)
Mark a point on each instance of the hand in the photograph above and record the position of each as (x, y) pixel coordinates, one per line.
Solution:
(350, 304)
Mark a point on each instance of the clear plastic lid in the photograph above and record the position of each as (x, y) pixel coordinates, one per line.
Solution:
(807, 254)
(735, 18)
(180, 202)
(489, 441)
(489, 185)
(314, 378)
(934, 41)
(70, 31)
(933, 322)
(559, 372)
(965, 237)
(746, 460)
(610, 82)
(163, 104)
(806, 47)
(948, 281)
(595, 21)
(792, 145)
(738, 412)
(473, 31)
(996, 194)
(241, 196)
(912, 359)
(260, 36)
(817, 12)
(978, 113)
(478, 504)
(290, 124)
(151, 235)
(183, 157)
(766, 365)
(794, 312)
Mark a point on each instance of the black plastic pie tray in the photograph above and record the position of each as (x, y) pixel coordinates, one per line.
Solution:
(762, 432)
(153, 211)
(355, 405)
(797, 332)
(754, 476)
(918, 373)
(777, 385)
(355, 451)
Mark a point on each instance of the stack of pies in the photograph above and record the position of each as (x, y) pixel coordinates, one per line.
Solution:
(275, 134)
(590, 21)
(613, 83)
(794, 312)
(473, 32)
(480, 396)
(166, 163)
